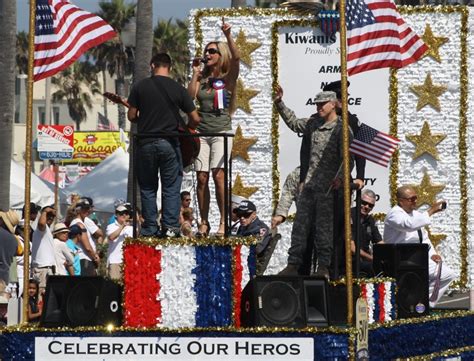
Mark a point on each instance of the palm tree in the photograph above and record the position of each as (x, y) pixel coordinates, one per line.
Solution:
(113, 55)
(7, 94)
(22, 52)
(144, 41)
(76, 84)
(172, 38)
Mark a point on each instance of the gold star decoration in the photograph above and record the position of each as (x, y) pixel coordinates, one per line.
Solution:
(427, 191)
(241, 145)
(243, 96)
(239, 189)
(428, 93)
(246, 47)
(426, 142)
(435, 238)
(433, 43)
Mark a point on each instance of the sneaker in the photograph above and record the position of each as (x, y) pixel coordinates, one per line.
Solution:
(322, 272)
(170, 233)
(290, 270)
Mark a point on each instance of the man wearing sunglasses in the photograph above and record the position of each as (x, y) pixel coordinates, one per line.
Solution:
(251, 225)
(404, 224)
(368, 232)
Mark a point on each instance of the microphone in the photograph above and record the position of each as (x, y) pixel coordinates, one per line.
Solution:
(204, 60)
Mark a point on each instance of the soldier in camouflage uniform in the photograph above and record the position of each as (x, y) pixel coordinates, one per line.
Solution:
(316, 204)
(289, 194)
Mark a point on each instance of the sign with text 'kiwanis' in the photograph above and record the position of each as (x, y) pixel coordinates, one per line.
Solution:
(173, 348)
(55, 141)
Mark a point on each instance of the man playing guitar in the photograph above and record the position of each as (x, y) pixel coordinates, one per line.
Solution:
(156, 100)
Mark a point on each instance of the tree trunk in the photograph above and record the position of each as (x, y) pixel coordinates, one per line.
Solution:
(121, 91)
(238, 3)
(143, 53)
(144, 40)
(7, 94)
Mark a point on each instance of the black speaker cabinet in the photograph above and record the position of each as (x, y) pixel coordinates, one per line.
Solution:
(408, 264)
(81, 301)
(338, 304)
(289, 301)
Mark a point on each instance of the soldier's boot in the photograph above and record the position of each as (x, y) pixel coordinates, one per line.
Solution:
(289, 270)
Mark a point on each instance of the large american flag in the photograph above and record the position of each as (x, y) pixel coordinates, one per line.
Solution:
(378, 37)
(63, 32)
(374, 145)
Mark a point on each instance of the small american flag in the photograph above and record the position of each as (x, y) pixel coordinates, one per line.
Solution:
(63, 32)
(103, 123)
(378, 37)
(374, 145)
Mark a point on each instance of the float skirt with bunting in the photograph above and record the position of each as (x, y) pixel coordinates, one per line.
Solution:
(185, 284)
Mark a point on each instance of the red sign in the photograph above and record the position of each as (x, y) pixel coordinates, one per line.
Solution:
(55, 138)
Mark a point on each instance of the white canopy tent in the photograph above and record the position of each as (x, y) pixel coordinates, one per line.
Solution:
(40, 193)
(106, 183)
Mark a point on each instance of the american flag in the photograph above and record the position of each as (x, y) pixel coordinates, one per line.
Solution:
(103, 123)
(63, 32)
(374, 145)
(378, 37)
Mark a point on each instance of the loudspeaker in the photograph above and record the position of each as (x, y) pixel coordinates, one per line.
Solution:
(290, 301)
(338, 304)
(408, 264)
(81, 301)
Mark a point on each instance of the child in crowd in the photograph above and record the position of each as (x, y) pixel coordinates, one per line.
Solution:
(75, 233)
(186, 227)
(34, 306)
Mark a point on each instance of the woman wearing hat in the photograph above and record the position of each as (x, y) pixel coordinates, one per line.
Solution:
(214, 87)
(64, 259)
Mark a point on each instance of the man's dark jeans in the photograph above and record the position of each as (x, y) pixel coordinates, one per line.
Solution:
(161, 155)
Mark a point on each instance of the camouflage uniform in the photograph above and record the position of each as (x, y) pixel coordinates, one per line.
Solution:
(289, 193)
(314, 207)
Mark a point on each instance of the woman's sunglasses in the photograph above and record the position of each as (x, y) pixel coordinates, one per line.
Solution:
(212, 51)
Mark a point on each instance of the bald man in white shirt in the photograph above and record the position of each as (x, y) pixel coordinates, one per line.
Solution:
(404, 224)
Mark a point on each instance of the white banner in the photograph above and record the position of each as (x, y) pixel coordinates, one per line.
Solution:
(173, 348)
(307, 61)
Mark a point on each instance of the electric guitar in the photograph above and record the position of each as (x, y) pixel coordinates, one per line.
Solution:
(189, 146)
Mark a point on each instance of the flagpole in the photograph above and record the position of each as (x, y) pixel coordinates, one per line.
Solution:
(346, 163)
(28, 156)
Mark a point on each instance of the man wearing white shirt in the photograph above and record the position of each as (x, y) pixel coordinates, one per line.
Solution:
(404, 224)
(116, 233)
(43, 260)
(91, 225)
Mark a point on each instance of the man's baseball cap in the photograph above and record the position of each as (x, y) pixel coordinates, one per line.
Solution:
(245, 207)
(83, 204)
(74, 230)
(121, 208)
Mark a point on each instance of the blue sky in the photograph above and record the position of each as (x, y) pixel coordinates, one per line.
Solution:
(163, 9)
